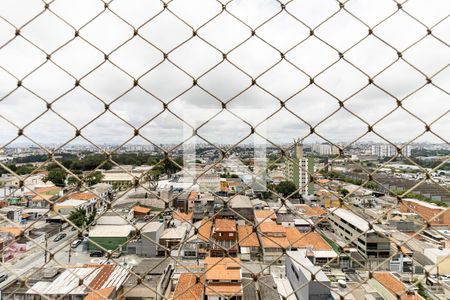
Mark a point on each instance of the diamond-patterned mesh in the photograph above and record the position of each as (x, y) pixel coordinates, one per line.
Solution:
(207, 96)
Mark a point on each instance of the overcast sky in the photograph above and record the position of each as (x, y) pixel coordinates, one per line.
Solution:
(286, 80)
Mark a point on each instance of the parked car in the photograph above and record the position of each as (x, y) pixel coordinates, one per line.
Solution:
(3, 277)
(96, 254)
(76, 243)
(59, 237)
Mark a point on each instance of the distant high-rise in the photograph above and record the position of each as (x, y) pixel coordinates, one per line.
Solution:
(387, 150)
(299, 168)
(325, 149)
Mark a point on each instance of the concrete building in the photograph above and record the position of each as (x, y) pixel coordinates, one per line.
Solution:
(388, 150)
(242, 206)
(249, 246)
(299, 169)
(151, 281)
(147, 244)
(299, 270)
(373, 244)
(171, 238)
(325, 149)
(110, 237)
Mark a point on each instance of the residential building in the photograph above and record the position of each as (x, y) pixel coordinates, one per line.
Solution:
(249, 246)
(148, 243)
(371, 241)
(388, 150)
(171, 238)
(223, 278)
(198, 245)
(152, 279)
(189, 287)
(299, 169)
(435, 215)
(242, 206)
(299, 271)
(265, 214)
(274, 241)
(391, 288)
(225, 237)
(140, 212)
(325, 149)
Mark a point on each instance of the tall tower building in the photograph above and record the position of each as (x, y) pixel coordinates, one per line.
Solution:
(298, 169)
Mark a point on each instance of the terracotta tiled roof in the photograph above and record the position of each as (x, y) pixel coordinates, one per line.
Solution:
(188, 288)
(223, 289)
(271, 227)
(183, 217)
(247, 238)
(218, 268)
(275, 242)
(395, 286)
(311, 211)
(82, 196)
(43, 190)
(141, 209)
(265, 214)
(225, 225)
(192, 196)
(12, 230)
(204, 231)
(311, 240)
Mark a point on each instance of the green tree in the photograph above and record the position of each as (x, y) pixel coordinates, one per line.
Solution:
(344, 192)
(94, 178)
(285, 188)
(57, 176)
(78, 217)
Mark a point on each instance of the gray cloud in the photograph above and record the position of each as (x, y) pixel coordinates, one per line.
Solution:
(160, 81)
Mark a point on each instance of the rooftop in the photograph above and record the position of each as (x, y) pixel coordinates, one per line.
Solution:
(176, 233)
(141, 209)
(424, 204)
(111, 231)
(394, 285)
(303, 263)
(82, 196)
(222, 289)
(183, 217)
(247, 238)
(222, 268)
(95, 277)
(204, 231)
(265, 214)
(240, 201)
(224, 225)
(188, 288)
(312, 240)
(351, 217)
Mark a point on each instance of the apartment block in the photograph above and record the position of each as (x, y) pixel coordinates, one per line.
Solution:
(371, 243)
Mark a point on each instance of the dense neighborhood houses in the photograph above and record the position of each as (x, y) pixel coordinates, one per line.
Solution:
(175, 239)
